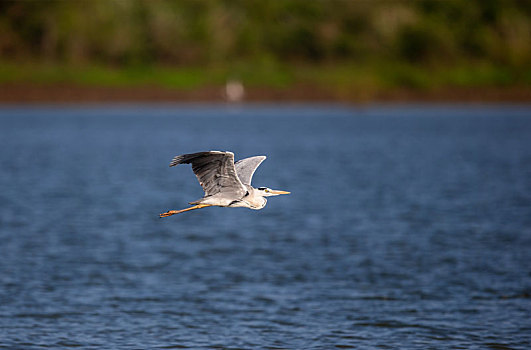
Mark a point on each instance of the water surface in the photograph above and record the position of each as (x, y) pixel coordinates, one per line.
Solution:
(408, 227)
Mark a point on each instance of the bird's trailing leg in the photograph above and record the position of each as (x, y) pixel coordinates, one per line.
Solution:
(172, 212)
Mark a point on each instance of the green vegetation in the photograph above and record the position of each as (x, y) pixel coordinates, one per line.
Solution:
(345, 45)
(340, 78)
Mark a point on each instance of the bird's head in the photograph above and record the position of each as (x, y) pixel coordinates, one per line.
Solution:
(267, 192)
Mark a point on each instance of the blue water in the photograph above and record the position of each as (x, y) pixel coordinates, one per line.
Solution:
(408, 227)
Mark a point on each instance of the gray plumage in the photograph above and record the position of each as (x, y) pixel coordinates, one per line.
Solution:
(226, 184)
(215, 171)
(245, 168)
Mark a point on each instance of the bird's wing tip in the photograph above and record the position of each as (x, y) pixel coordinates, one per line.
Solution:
(185, 158)
(176, 160)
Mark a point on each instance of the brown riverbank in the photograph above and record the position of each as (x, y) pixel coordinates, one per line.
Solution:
(21, 93)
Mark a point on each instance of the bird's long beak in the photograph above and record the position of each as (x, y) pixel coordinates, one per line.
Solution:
(279, 192)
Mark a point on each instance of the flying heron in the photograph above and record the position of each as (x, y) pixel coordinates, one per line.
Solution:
(226, 184)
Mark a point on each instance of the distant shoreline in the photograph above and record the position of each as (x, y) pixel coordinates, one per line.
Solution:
(72, 93)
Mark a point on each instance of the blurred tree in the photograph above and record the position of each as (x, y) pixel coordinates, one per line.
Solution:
(184, 32)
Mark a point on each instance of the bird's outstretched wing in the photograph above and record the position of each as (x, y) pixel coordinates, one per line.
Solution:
(245, 168)
(215, 171)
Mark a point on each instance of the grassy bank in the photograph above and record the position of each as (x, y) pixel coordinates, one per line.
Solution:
(337, 81)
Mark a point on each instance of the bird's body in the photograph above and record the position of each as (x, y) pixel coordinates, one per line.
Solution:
(226, 184)
(252, 199)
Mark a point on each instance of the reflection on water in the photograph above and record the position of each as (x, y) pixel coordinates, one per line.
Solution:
(407, 227)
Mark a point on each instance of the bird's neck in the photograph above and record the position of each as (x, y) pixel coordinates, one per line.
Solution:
(255, 199)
